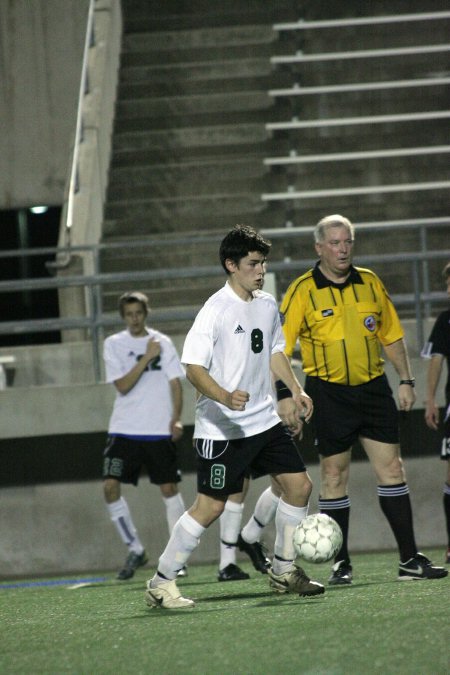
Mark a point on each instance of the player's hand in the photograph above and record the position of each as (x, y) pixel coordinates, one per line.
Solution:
(432, 416)
(237, 400)
(290, 416)
(304, 404)
(406, 397)
(153, 349)
(176, 427)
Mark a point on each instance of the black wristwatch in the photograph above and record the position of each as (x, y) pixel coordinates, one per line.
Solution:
(411, 382)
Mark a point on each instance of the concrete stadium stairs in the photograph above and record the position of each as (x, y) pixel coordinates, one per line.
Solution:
(190, 136)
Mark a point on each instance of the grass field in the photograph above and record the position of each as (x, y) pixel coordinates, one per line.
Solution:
(378, 625)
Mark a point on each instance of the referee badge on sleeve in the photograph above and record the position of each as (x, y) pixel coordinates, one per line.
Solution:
(370, 323)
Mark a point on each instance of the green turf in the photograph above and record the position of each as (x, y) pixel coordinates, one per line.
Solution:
(378, 625)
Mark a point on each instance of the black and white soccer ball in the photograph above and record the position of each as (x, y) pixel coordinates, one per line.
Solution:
(318, 538)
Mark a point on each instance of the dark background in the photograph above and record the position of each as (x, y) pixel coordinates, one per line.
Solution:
(21, 229)
(78, 457)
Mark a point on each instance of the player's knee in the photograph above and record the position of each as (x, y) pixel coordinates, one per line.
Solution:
(332, 479)
(111, 490)
(392, 472)
(298, 491)
(169, 489)
(216, 508)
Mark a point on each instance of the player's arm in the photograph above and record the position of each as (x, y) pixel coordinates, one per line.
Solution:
(176, 392)
(199, 377)
(293, 407)
(397, 354)
(126, 383)
(433, 377)
(297, 405)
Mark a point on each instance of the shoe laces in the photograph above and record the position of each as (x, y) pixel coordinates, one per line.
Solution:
(300, 574)
(423, 560)
(341, 568)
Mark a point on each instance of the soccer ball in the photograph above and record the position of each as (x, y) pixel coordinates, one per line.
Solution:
(318, 538)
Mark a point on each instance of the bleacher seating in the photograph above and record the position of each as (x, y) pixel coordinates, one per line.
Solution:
(189, 137)
(366, 132)
(246, 113)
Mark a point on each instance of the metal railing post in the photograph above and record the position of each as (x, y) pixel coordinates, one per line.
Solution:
(425, 270)
(98, 332)
(96, 322)
(417, 306)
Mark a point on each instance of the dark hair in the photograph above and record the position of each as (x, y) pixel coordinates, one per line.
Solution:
(239, 242)
(446, 271)
(133, 296)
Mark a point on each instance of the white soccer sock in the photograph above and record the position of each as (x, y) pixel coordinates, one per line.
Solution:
(174, 509)
(263, 514)
(286, 520)
(230, 525)
(184, 539)
(121, 517)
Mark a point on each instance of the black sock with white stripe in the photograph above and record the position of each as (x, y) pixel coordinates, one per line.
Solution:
(339, 509)
(396, 506)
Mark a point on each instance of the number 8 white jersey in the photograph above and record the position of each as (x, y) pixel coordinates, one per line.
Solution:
(234, 341)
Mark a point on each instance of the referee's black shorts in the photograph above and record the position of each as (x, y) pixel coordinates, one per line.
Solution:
(342, 414)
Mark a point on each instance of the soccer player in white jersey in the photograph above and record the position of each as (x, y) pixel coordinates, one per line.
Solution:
(234, 343)
(146, 421)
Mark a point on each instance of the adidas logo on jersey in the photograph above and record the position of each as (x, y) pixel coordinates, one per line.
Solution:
(239, 329)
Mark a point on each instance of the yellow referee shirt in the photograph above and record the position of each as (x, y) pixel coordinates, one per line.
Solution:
(341, 327)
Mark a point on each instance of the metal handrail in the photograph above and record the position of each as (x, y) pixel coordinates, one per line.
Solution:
(421, 224)
(42, 283)
(84, 88)
(292, 193)
(96, 320)
(301, 57)
(384, 153)
(74, 177)
(295, 123)
(346, 87)
(360, 21)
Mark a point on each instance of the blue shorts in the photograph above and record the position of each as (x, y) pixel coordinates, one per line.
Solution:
(223, 465)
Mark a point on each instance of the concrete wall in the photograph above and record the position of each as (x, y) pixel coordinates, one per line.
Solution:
(40, 65)
(65, 528)
(59, 377)
(86, 407)
(40, 62)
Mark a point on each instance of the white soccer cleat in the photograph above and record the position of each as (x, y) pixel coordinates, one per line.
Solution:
(295, 581)
(166, 596)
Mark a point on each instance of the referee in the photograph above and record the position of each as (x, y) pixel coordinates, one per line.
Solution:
(343, 317)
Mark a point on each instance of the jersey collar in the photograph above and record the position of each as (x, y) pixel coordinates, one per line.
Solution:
(322, 282)
(230, 290)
